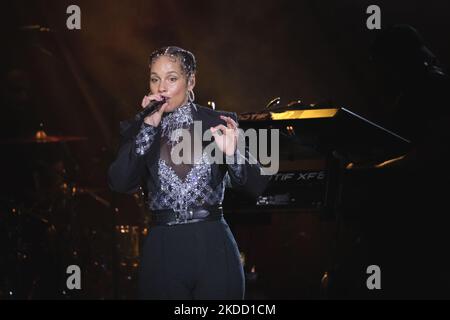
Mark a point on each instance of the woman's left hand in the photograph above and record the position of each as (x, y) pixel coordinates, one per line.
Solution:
(227, 141)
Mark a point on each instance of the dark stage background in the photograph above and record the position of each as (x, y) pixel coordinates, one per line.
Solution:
(83, 82)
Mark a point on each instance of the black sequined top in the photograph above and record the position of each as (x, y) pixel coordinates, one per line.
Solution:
(178, 178)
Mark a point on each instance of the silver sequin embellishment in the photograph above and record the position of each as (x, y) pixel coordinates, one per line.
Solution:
(178, 119)
(145, 138)
(193, 191)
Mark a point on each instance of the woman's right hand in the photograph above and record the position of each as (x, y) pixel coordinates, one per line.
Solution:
(155, 118)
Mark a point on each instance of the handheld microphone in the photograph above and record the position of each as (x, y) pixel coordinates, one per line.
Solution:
(151, 108)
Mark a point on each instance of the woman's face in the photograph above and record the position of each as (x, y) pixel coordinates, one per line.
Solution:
(168, 79)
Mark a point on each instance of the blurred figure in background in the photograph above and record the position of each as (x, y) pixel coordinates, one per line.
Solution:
(409, 233)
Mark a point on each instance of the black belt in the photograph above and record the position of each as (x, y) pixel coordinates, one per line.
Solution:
(169, 217)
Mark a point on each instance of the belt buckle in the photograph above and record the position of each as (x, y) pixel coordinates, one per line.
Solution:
(182, 217)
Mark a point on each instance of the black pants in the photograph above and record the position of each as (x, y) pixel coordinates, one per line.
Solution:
(192, 261)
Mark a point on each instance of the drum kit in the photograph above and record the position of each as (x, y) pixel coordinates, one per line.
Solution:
(50, 220)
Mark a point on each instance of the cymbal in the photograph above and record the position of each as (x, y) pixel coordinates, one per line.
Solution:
(42, 137)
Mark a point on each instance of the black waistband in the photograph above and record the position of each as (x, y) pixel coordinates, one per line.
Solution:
(169, 217)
